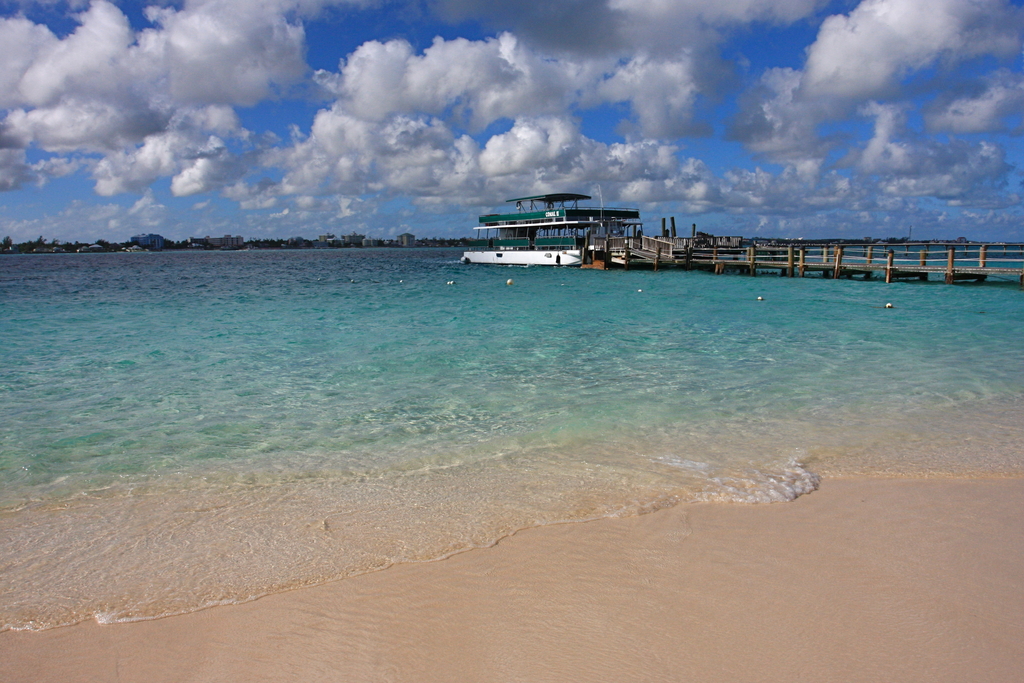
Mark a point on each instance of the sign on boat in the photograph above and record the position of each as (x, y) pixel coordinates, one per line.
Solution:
(547, 230)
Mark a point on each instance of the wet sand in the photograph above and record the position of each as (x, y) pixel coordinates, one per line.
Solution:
(863, 580)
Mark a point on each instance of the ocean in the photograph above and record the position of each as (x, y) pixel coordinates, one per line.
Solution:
(182, 430)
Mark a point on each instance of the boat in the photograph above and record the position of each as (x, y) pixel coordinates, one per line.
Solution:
(547, 230)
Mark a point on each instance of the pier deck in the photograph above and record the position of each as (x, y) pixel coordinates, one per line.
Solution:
(954, 261)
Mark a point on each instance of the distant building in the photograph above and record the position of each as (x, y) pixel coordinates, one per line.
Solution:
(370, 242)
(329, 237)
(155, 242)
(407, 239)
(355, 240)
(225, 242)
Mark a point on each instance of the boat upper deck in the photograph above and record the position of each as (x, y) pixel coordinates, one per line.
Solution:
(553, 209)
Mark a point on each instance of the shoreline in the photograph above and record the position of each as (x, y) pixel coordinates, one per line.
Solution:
(909, 579)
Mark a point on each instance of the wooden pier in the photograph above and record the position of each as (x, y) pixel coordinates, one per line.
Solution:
(953, 261)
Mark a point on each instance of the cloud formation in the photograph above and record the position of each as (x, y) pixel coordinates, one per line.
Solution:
(887, 104)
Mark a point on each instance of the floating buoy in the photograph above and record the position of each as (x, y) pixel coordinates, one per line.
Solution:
(760, 298)
(508, 281)
(888, 305)
(451, 282)
(639, 290)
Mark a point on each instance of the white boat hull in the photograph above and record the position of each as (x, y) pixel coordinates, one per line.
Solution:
(570, 257)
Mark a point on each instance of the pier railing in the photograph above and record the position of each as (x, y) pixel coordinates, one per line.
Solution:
(953, 260)
(956, 261)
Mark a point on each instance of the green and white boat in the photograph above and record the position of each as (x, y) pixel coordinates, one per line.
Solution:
(547, 230)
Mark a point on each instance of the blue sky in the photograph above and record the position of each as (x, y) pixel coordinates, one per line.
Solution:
(276, 118)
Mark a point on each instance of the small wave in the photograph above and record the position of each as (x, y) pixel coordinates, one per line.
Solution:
(752, 485)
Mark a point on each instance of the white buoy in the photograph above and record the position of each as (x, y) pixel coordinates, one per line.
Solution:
(508, 281)
(760, 298)
(888, 305)
(639, 290)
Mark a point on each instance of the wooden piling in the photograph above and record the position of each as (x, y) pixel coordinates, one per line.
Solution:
(837, 271)
(789, 261)
(983, 256)
(871, 253)
(888, 266)
(924, 256)
(803, 259)
(752, 258)
(673, 227)
(664, 229)
(950, 257)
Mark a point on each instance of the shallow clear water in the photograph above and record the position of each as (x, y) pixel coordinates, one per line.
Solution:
(184, 429)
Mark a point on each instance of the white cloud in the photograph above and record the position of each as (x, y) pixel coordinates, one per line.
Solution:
(616, 27)
(863, 54)
(998, 107)
(775, 123)
(226, 51)
(14, 171)
(910, 167)
(92, 60)
(130, 95)
(662, 93)
(91, 125)
(478, 82)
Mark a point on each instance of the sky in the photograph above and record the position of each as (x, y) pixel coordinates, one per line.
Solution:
(282, 118)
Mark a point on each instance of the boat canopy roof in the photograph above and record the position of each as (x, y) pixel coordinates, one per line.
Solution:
(548, 200)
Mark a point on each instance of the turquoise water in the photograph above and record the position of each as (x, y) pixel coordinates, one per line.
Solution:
(185, 429)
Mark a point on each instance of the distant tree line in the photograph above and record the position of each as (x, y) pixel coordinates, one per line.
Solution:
(41, 245)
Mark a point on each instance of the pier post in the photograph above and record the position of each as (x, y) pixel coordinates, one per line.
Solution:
(871, 253)
(625, 257)
(752, 256)
(951, 255)
(837, 271)
(689, 255)
(924, 256)
(664, 230)
(694, 232)
(983, 256)
(673, 227)
(803, 259)
(888, 266)
(657, 256)
(789, 261)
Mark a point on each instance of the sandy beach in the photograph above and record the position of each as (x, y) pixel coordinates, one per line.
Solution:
(863, 580)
